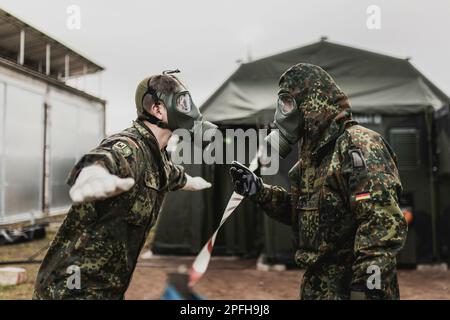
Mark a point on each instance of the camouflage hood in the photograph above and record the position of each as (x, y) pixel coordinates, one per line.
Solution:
(324, 107)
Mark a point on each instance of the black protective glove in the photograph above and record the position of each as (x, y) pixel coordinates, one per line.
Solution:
(246, 183)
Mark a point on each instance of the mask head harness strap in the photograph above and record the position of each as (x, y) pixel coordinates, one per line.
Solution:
(157, 100)
(145, 114)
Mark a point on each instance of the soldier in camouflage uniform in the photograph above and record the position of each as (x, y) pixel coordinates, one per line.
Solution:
(118, 189)
(345, 188)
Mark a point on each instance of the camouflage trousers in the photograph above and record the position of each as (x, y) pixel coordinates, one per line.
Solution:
(333, 282)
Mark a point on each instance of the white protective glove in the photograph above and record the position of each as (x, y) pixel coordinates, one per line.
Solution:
(196, 184)
(95, 183)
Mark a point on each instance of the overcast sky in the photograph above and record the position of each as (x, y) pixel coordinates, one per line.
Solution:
(205, 38)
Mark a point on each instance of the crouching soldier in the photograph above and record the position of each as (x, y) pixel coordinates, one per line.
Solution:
(343, 204)
(117, 190)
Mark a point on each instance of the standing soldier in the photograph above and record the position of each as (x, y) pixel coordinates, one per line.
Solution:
(343, 204)
(118, 189)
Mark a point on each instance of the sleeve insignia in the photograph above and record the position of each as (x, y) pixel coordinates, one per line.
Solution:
(123, 149)
(357, 159)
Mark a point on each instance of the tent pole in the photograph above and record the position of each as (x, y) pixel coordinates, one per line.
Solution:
(428, 117)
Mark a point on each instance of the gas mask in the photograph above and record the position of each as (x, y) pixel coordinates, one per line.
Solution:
(182, 113)
(309, 104)
(289, 122)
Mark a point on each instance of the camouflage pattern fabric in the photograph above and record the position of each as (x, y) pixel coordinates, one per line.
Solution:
(104, 238)
(343, 205)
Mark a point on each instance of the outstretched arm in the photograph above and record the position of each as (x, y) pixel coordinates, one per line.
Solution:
(275, 201)
(104, 172)
(95, 183)
(195, 183)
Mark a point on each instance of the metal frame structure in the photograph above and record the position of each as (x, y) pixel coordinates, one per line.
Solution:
(37, 49)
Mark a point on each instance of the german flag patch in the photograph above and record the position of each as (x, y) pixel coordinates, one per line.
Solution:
(362, 196)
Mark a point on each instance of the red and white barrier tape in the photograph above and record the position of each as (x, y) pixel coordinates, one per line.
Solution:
(201, 262)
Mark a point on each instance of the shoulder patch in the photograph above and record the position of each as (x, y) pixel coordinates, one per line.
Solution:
(123, 149)
(357, 158)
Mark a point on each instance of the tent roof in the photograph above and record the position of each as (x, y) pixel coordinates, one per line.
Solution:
(35, 48)
(375, 83)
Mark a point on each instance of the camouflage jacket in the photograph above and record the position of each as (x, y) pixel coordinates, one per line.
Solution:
(104, 238)
(343, 204)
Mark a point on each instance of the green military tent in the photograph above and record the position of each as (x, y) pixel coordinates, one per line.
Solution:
(374, 82)
(387, 94)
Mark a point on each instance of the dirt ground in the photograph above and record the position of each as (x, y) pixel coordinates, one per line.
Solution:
(226, 278)
(239, 279)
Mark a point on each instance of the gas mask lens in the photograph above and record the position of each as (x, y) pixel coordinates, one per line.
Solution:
(184, 102)
(286, 103)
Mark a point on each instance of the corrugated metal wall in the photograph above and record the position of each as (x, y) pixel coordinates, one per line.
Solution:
(74, 125)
